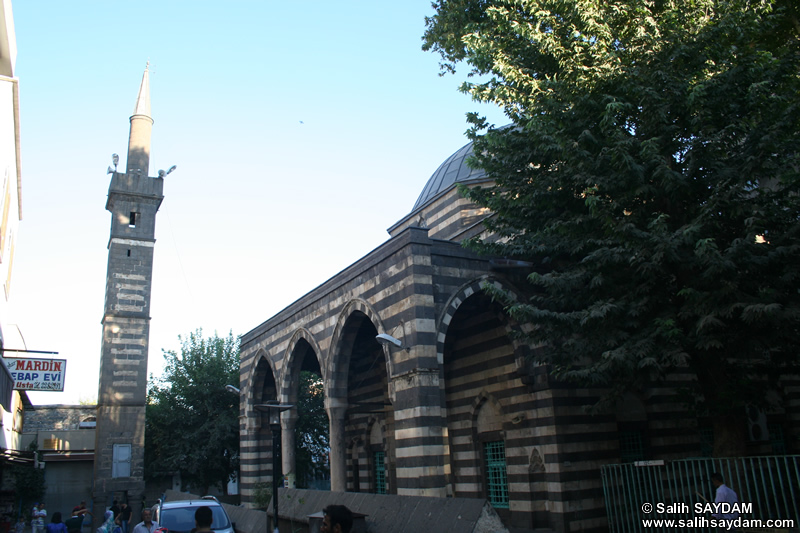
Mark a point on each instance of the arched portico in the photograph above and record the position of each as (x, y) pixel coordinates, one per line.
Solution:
(302, 354)
(485, 398)
(356, 384)
(261, 388)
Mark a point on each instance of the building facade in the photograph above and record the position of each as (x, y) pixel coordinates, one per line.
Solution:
(12, 403)
(64, 436)
(460, 408)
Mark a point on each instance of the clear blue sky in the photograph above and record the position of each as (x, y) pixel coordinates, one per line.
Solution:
(301, 132)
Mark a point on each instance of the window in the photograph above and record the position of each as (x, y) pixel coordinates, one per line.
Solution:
(132, 219)
(121, 461)
(379, 468)
(182, 518)
(496, 476)
(706, 441)
(631, 446)
(776, 439)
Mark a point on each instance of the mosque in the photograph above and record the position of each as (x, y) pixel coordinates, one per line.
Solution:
(430, 393)
(428, 388)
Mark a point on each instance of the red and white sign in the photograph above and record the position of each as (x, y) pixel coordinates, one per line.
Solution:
(37, 374)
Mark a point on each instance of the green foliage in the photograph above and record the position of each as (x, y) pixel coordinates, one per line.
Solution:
(311, 431)
(651, 171)
(262, 494)
(192, 422)
(29, 485)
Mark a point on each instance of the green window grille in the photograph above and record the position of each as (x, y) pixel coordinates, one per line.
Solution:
(379, 463)
(497, 478)
(631, 446)
(706, 442)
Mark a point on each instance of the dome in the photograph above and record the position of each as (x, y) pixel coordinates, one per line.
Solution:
(453, 170)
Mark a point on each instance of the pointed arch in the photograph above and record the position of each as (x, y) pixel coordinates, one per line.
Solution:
(290, 374)
(469, 289)
(262, 375)
(262, 362)
(338, 360)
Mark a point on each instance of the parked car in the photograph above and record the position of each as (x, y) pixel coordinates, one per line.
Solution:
(178, 516)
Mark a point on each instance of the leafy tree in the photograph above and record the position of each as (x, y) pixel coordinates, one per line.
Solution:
(29, 485)
(651, 173)
(192, 422)
(311, 430)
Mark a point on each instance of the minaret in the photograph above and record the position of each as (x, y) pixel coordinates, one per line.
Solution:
(133, 200)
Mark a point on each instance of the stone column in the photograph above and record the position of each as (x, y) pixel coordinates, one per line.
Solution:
(336, 416)
(288, 446)
(419, 434)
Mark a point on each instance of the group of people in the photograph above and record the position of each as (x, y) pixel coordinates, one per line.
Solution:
(337, 519)
(57, 524)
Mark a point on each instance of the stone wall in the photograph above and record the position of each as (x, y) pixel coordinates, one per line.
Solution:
(56, 417)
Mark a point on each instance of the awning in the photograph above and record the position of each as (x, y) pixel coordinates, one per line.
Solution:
(67, 456)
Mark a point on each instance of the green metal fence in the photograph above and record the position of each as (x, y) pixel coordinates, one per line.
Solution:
(770, 483)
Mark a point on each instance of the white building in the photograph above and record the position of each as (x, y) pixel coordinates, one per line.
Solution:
(11, 402)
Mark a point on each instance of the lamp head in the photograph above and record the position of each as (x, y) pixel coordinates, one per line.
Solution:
(385, 339)
(273, 410)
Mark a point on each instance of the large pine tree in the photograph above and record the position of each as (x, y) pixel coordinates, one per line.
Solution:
(651, 172)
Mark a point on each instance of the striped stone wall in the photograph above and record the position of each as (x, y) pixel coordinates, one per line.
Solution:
(451, 217)
(393, 290)
(460, 380)
(133, 201)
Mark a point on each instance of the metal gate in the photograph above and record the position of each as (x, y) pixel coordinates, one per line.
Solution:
(670, 489)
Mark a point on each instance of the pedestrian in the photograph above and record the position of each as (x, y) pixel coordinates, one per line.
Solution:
(39, 516)
(124, 516)
(726, 495)
(115, 508)
(19, 527)
(56, 525)
(203, 517)
(108, 523)
(146, 525)
(81, 509)
(74, 523)
(338, 519)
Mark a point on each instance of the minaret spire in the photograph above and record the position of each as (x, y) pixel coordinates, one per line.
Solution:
(133, 201)
(141, 130)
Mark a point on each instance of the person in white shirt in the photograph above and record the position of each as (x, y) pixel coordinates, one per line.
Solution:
(725, 494)
(39, 516)
(146, 525)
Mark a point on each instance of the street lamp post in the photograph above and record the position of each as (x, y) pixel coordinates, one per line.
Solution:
(273, 410)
